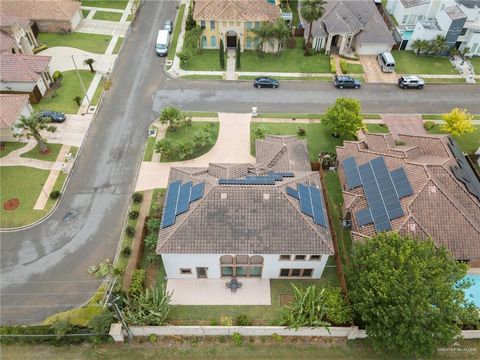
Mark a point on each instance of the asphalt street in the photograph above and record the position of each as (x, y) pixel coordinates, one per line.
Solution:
(44, 269)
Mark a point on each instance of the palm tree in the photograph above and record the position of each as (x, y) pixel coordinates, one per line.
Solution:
(172, 115)
(419, 46)
(311, 11)
(184, 55)
(439, 44)
(265, 33)
(31, 127)
(89, 62)
(281, 33)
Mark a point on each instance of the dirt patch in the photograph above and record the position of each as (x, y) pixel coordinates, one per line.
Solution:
(11, 204)
(2, 146)
(151, 275)
(286, 299)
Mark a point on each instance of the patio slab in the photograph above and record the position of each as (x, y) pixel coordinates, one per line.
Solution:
(215, 292)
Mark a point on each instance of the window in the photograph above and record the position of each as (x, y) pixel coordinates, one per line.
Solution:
(256, 271)
(284, 257)
(315, 257)
(213, 41)
(295, 272)
(249, 25)
(300, 257)
(464, 31)
(284, 272)
(405, 18)
(204, 41)
(227, 271)
(307, 272)
(257, 24)
(185, 271)
(249, 42)
(212, 24)
(231, 23)
(202, 24)
(241, 265)
(241, 271)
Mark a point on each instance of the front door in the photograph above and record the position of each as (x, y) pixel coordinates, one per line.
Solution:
(201, 272)
(231, 41)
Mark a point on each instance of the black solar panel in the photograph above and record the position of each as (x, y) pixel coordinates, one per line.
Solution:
(168, 217)
(351, 173)
(183, 202)
(317, 206)
(292, 192)
(364, 217)
(197, 192)
(305, 200)
(311, 202)
(402, 185)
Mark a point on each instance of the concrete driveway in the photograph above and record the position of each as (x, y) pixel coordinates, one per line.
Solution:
(404, 124)
(232, 146)
(71, 132)
(62, 59)
(373, 73)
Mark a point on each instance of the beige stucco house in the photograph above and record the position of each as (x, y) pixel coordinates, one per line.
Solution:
(12, 107)
(16, 35)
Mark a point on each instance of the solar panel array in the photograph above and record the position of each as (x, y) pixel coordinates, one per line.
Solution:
(383, 190)
(463, 171)
(268, 179)
(311, 202)
(179, 198)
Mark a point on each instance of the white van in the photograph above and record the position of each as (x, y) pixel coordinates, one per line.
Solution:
(163, 39)
(386, 62)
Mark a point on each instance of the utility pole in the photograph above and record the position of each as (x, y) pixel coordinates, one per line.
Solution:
(113, 304)
(81, 81)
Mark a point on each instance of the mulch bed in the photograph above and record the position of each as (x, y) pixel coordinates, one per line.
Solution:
(11, 204)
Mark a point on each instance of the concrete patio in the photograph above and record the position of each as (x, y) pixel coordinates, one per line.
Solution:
(215, 292)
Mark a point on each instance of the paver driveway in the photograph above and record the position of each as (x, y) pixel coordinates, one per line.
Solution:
(373, 73)
(404, 124)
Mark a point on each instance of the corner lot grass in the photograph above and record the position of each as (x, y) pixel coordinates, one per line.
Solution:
(107, 15)
(290, 60)
(149, 148)
(406, 62)
(118, 45)
(111, 4)
(468, 142)
(9, 146)
(35, 153)
(318, 136)
(89, 42)
(71, 87)
(208, 60)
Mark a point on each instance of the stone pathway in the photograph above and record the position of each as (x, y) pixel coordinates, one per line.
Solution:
(404, 124)
(465, 68)
(231, 58)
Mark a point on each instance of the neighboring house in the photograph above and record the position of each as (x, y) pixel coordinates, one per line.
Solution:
(46, 15)
(16, 35)
(350, 27)
(423, 189)
(25, 74)
(233, 20)
(457, 20)
(12, 107)
(247, 220)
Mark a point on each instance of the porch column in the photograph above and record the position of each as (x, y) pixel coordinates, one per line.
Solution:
(329, 44)
(342, 44)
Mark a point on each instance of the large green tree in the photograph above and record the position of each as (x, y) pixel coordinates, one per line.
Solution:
(31, 126)
(408, 292)
(344, 117)
(172, 116)
(311, 11)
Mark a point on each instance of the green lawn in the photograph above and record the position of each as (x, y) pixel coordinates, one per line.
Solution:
(71, 87)
(468, 142)
(111, 4)
(24, 184)
(35, 153)
(85, 13)
(439, 117)
(377, 128)
(201, 114)
(202, 77)
(318, 136)
(176, 32)
(290, 60)
(186, 133)
(8, 146)
(443, 80)
(353, 68)
(406, 62)
(307, 116)
(476, 64)
(98, 92)
(89, 42)
(149, 148)
(208, 60)
(107, 15)
(118, 45)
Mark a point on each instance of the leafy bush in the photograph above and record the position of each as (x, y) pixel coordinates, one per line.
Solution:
(339, 311)
(130, 231)
(137, 198)
(57, 75)
(148, 308)
(54, 195)
(213, 322)
(126, 251)
(243, 320)
(301, 131)
(61, 327)
(428, 125)
(137, 285)
(226, 321)
(277, 338)
(101, 270)
(41, 48)
(237, 339)
(153, 338)
(399, 142)
(39, 330)
(100, 324)
(133, 214)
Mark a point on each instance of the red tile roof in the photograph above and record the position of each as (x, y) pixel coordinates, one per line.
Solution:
(6, 42)
(22, 68)
(440, 208)
(10, 107)
(63, 10)
(7, 20)
(236, 10)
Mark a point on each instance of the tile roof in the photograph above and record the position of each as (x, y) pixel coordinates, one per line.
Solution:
(7, 20)
(10, 107)
(441, 207)
(22, 68)
(282, 153)
(236, 10)
(61, 10)
(7, 42)
(247, 219)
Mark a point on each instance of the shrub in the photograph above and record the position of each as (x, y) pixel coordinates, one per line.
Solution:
(237, 339)
(399, 142)
(138, 282)
(54, 195)
(100, 324)
(133, 214)
(333, 68)
(428, 125)
(213, 322)
(62, 327)
(57, 75)
(226, 321)
(150, 307)
(277, 338)
(38, 331)
(188, 121)
(117, 271)
(243, 320)
(126, 251)
(301, 131)
(152, 338)
(344, 66)
(222, 339)
(137, 198)
(40, 48)
(339, 311)
(130, 231)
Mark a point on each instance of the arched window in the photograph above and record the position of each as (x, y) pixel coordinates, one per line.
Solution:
(226, 259)
(213, 41)
(249, 42)
(204, 41)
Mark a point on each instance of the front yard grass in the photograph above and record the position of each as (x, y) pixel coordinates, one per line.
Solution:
(98, 92)
(35, 153)
(64, 96)
(107, 15)
(110, 4)
(406, 62)
(290, 60)
(467, 142)
(85, 13)
(149, 148)
(89, 42)
(377, 128)
(475, 61)
(176, 32)
(352, 68)
(208, 60)
(118, 45)
(8, 146)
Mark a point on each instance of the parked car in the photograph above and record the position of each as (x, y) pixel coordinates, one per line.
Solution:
(163, 41)
(265, 82)
(411, 82)
(168, 26)
(53, 116)
(343, 81)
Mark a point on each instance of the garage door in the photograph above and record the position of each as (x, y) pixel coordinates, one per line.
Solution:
(372, 49)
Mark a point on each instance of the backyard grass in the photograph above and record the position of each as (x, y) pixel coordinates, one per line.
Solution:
(185, 134)
(89, 42)
(467, 142)
(107, 15)
(85, 13)
(208, 60)
(35, 153)
(475, 61)
(149, 148)
(8, 146)
(110, 4)
(318, 136)
(377, 128)
(64, 98)
(406, 62)
(118, 45)
(98, 92)
(176, 32)
(290, 60)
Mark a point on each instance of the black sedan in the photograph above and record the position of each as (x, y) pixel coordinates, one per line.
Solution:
(53, 116)
(265, 82)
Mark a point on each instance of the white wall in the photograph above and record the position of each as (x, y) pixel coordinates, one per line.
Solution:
(273, 264)
(76, 20)
(443, 20)
(399, 12)
(372, 49)
(424, 34)
(17, 86)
